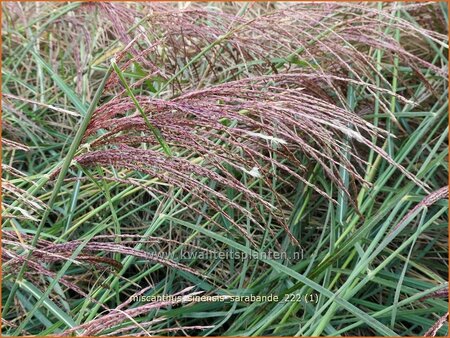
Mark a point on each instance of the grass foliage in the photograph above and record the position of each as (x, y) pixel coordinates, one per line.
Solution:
(133, 133)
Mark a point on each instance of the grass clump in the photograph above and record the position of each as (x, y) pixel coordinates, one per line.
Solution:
(166, 151)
